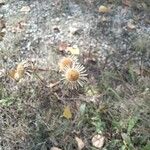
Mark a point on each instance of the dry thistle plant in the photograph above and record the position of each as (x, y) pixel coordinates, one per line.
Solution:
(72, 71)
(74, 76)
(67, 62)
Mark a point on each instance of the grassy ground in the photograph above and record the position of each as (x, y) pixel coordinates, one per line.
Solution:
(114, 102)
(116, 105)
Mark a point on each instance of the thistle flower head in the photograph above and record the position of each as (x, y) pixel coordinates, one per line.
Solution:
(74, 76)
(66, 62)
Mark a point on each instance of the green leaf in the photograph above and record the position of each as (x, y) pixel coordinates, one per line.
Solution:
(6, 101)
(127, 141)
(123, 147)
(147, 147)
(82, 109)
(43, 147)
(99, 125)
(114, 93)
(131, 124)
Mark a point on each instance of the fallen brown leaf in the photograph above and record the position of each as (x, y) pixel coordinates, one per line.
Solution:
(74, 50)
(67, 113)
(25, 9)
(20, 70)
(80, 143)
(131, 26)
(104, 9)
(17, 73)
(62, 46)
(98, 141)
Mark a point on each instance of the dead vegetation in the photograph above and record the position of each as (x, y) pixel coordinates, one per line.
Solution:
(110, 111)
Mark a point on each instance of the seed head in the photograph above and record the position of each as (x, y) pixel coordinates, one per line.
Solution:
(74, 76)
(66, 62)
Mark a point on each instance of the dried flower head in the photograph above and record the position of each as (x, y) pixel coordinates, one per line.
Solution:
(66, 62)
(74, 76)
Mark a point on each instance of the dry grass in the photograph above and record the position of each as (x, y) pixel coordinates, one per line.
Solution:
(114, 101)
(31, 114)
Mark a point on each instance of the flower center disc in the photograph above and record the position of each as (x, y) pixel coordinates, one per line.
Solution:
(72, 75)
